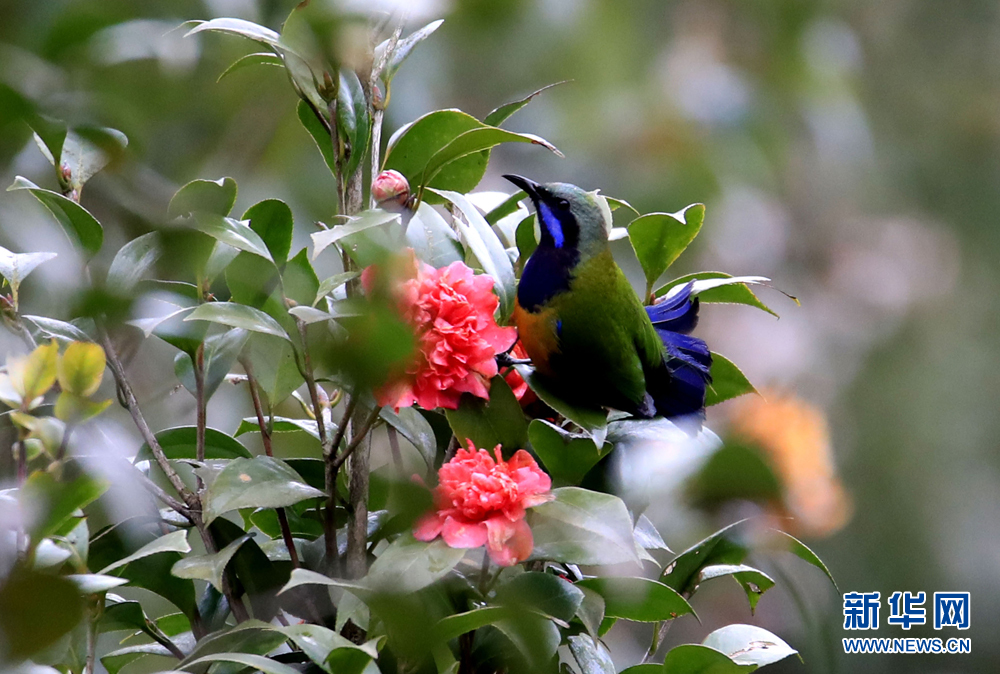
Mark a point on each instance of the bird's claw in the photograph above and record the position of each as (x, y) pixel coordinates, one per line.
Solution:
(505, 360)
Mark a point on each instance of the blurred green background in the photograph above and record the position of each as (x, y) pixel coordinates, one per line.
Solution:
(849, 150)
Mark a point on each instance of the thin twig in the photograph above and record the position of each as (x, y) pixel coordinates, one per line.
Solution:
(311, 383)
(201, 402)
(157, 491)
(330, 483)
(114, 362)
(357, 438)
(265, 435)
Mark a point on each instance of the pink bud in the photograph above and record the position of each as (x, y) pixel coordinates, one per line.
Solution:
(390, 190)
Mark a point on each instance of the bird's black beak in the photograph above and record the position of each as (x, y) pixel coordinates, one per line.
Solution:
(530, 187)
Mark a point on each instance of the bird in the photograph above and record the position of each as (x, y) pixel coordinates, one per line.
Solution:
(588, 335)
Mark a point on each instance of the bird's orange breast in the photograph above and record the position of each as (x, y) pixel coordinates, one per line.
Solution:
(538, 334)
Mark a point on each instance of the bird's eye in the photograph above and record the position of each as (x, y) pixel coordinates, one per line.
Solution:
(563, 204)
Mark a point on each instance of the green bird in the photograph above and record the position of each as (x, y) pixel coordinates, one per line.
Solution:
(583, 326)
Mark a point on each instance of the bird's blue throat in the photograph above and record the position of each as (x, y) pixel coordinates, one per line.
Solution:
(549, 270)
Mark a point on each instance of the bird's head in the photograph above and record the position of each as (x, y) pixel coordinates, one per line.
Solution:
(568, 216)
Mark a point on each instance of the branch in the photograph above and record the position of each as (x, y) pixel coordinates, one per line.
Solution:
(358, 437)
(357, 525)
(331, 469)
(115, 363)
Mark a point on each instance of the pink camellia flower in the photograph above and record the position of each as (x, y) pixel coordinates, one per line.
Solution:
(391, 190)
(457, 338)
(481, 501)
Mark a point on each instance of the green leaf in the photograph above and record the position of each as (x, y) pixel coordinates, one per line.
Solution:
(221, 351)
(132, 261)
(716, 287)
(402, 50)
(272, 220)
(319, 133)
(79, 224)
(28, 622)
(247, 29)
(638, 599)
(728, 381)
(499, 421)
(455, 625)
(583, 527)
(253, 637)
(353, 120)
(695, 659)
(591, 656)
(273, 362)
(235, 233)
(592, 420)
(408, 565)
(50, 133)
(257, 662)
(433, 240)
(87, 150)
(237, 316)
(501, 114)
(117, 660)
(214, 197)
(329, 284)
(261, 482)
(544, 593)
(61, 330)
(173, 542)
(719, 548)
(749, 645)
(208, 567)
(800, 550)
(615, 204)
(415, 428)
(754, 582)
(591, 611)
(374, 217)
(567, 457)
(489, 251)
(180, 443)
(646, 535)
(15, 267)
(94, 583)
(412, 146)
(75, 409)
(280, 425)
(321, 644)
(122, 615)
(257, 59)
(475, 141)
(659, 238)
(526, 239)
(300, 577)
(55, 504)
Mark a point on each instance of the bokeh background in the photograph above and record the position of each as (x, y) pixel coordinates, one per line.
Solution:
(847, 149)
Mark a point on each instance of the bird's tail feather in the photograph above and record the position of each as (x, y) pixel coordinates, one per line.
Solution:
(688, 360)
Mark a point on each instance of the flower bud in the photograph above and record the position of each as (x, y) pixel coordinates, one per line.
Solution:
(390, 190)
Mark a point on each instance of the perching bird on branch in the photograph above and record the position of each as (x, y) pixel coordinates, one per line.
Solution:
(585, 329)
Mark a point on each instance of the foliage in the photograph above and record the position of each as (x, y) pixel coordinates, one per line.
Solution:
(294, 557)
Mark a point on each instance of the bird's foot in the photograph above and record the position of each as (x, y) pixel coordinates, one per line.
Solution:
(505, 360)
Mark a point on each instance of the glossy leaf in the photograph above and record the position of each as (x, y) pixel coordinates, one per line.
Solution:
(237, 316)
(802, 551)
(79, 224)
(215, 197)
(257, 662)
(696, 659)
(659, 238)
(235, 233)
(261, 482)
(567, 457)
(319, 133)
(501, 114)
(28, 622)
(402, 50)
(457, 624)
(256, 59)
(60, 330)
(132, 261)
(408, 565)
(754, 582)
(592, 420)
(75, 409)
(56, 503)
(280, 425)
(749, 645)
(272, 220)
(366, 220)
(331, 283)
(81, 368)
(716, 287)
(15, 267)
(321, 644)
(432, 238)
(180, 442)
(591, 656)
(254, 637)
(208, 567)
(583, 527)
(415, 428)
(87, 150)
(728, 381)
(526, 238)
(498, 421)
(175, 541)
(638, 599)
(353, 121)
(240, 27)
(543, 593)
(646, 535)
(221, 352)
(412, 146)
(94, 583)
(484, 244)
(474, 141)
